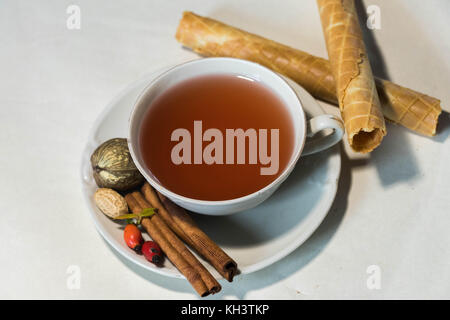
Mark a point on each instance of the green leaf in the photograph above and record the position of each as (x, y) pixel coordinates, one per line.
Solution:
(147, 212)
(126, 216)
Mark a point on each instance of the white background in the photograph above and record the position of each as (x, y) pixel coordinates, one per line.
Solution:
(392, 207)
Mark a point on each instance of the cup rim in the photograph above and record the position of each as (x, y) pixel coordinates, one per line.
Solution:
(170, 194)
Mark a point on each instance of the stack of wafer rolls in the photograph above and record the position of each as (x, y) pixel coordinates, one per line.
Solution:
(208, 37)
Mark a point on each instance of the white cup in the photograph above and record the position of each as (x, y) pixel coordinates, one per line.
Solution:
(270, 79)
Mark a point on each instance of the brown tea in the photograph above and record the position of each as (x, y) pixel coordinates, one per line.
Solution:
(217, 137)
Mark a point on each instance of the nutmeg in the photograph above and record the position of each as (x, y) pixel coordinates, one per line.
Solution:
(113, 166)
(110, 202)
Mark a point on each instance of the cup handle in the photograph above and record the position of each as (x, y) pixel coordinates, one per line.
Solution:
(317, 124)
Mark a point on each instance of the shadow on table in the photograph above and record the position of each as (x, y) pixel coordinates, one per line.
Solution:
(175, 284)
(443, 128)
(376, 58)
(394, 158)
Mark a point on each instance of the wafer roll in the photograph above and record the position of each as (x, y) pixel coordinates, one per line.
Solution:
(208, 37)
(355, 86)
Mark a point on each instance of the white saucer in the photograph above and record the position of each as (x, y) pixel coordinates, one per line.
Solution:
(255, 238)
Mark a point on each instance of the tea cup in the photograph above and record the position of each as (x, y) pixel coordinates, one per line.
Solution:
(304, 129)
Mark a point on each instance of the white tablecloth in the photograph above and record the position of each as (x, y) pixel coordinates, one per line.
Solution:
(392, 208)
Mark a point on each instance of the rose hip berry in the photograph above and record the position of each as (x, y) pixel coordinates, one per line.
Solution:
(133, 237)
(152, 252)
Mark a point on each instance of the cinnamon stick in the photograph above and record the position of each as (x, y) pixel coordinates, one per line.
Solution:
(199, 277)
(184, 226)
(154, 201)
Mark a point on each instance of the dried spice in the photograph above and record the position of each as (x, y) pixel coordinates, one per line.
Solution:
(113, 166)
(110, 202)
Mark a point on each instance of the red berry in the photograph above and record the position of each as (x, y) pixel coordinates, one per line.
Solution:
(152, 252)
(133, 237)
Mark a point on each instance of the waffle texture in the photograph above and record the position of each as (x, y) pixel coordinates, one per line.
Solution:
(208, 37)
